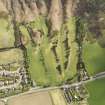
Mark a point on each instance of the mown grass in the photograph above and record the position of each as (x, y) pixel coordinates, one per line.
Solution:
(94, 57)
(97, 92)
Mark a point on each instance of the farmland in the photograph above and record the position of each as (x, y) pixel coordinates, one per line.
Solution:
(94, 58)
(96, 90)
(53, 97)
(42, 98)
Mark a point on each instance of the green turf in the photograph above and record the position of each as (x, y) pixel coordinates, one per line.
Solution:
(94, 57)
(97, 92)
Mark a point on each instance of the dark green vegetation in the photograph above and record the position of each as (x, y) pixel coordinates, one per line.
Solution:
(97, 92)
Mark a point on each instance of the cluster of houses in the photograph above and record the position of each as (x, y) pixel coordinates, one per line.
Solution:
(24, 76)
(76, 93)
(10, 79)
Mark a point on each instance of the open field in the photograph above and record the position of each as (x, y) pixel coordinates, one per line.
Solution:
(6, 34)
(97, 92)
(42, 98)
(10, 56)
(94, 57)
(57, 97)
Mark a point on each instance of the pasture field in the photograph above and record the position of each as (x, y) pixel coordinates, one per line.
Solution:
(97, 92)
(94, 57)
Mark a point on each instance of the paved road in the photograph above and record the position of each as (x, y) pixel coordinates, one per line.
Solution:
(39, 89)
